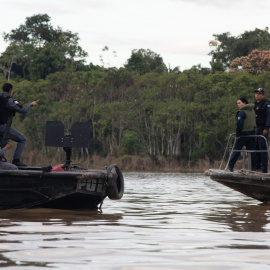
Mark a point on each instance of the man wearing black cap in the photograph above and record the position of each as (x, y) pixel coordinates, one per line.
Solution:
(262, 111)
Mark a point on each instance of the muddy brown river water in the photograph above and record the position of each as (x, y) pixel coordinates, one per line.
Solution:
(164, 221)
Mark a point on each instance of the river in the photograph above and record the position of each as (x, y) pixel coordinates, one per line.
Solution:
(163, 221)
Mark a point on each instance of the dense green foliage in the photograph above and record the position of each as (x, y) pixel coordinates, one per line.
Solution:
(187, 116)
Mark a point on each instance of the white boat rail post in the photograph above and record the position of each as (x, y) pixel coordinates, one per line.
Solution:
(244, 155)
(249, 161)
(227, 147)
(266, 143)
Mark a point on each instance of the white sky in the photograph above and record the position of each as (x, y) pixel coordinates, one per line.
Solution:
(178, 30)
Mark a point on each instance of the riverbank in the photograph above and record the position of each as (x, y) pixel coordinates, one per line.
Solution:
(126, 163)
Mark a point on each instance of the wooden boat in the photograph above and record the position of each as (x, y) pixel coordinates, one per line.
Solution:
(253, 184)
(63, 187)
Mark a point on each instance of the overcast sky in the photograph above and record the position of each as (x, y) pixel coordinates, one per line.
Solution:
(178, 30)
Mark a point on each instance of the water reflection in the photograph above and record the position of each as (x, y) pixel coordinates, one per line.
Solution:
(54, 216)
(249, 218)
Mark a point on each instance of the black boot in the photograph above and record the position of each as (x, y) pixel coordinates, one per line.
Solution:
(18, 163)
(262, 170)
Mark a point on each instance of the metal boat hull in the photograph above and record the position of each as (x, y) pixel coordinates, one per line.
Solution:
(252, 184)
(61, 190)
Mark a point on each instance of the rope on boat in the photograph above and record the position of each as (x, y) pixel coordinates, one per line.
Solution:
(246, 172)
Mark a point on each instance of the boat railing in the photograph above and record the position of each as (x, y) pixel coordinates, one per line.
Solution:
(245, 153)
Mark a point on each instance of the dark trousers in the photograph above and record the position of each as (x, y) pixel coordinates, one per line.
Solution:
(262, 158)
(250, 144)
(15, 136)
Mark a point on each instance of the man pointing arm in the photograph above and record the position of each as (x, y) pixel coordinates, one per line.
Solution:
(8, 106)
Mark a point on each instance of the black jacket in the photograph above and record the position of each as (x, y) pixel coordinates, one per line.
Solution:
(262, 111)
(9, 105)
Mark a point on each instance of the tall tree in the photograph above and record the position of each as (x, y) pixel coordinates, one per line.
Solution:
(227, 47)
(256, 62)
(143, 61)
(38, 42)
(8, 59)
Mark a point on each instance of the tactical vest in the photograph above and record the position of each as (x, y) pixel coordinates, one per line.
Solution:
(4, 112)
(250, 120)
(261, 113)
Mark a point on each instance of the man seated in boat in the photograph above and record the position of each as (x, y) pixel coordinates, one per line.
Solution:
(8, 106)
(6, 165)
(245, 125)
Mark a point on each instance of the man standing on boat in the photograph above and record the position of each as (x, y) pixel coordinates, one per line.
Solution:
(9, 106)
(262, 111)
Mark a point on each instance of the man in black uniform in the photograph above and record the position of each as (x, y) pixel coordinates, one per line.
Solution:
(262, 111)
(8, 106)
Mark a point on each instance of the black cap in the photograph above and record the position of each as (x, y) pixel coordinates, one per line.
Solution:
(259, 90)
